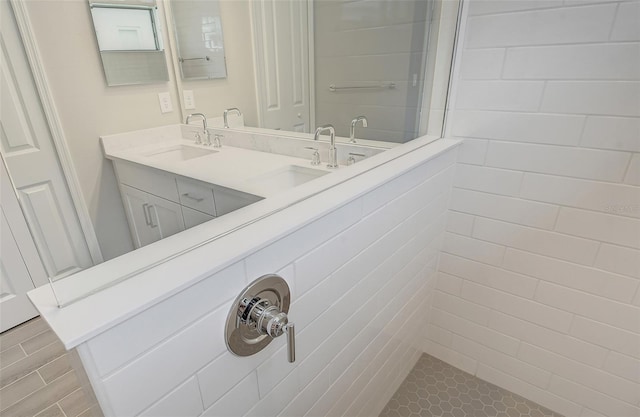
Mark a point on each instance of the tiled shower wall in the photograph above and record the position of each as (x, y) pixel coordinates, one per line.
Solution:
(538, 279)
(362, 278)
(364, 43)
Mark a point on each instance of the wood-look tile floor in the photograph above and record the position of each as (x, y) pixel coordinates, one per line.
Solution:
(36, 377)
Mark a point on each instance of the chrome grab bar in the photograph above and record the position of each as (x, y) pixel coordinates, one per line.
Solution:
(206, 58)
(382, 86)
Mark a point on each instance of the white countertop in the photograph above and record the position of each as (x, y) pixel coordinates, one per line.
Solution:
(236, 168)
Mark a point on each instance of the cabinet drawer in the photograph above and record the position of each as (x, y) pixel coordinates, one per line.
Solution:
(194, 217)
(228, 200)
(196, 195)
(151, 180)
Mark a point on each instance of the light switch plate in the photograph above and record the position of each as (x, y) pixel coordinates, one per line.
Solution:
(165, 102)
(189, 99)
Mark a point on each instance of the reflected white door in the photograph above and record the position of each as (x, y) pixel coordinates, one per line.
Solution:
(20, 267)
(27, 147)
(281, 47)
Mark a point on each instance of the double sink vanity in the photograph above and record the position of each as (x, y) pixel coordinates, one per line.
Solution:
(168, 183)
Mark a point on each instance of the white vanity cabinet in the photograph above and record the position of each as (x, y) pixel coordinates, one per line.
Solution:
(159, 204)
(151, 218)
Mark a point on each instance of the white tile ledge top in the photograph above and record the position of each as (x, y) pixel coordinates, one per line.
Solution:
(228, 166)
(96, 313)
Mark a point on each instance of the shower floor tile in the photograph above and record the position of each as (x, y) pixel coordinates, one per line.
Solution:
(436, 389)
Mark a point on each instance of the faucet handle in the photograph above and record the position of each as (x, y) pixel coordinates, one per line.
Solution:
(217, 143)
(352, 160)
(198, 138)
(315, 157)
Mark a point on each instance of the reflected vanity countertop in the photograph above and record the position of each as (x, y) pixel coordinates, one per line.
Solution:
(240, 169)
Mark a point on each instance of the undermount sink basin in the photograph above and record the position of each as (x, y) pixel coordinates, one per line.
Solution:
(179, 153)
(287, 177)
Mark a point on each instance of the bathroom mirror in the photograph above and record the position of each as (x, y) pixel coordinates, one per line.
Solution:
(421, 32)
(197, 28)
(328, 61)
(130, 41)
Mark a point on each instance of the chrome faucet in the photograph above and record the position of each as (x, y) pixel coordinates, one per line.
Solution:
(204, 126)
(333, 151)
(225, 115)
(354, 122)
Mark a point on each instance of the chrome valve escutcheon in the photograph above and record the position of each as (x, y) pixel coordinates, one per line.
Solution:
(259, 315)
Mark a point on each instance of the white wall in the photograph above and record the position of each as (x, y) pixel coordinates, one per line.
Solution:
(88, 108)
(361, 277)
(538, 279)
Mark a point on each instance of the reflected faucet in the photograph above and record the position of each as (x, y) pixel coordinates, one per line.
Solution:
(226, 114)
(204, 126)
(354, 122)
(333, 151)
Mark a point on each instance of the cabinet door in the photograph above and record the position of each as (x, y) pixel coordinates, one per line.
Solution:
(136, 204)
(196, 195)
(228, 200)
(194, 217)
(149, 179)
(165, 216)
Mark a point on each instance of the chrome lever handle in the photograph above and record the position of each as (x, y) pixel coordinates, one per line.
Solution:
(217, 143)
(315, 158)
(290, 330)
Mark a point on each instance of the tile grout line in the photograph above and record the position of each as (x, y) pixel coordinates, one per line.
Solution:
(49, 384)
(25, 396)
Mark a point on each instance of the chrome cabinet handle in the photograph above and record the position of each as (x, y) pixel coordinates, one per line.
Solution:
(148, 212)
(196, 199)
(147, 221)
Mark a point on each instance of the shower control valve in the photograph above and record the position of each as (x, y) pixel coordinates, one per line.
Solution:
(259, 315)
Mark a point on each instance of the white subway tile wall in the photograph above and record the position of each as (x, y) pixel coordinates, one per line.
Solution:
(363, 278)
(538, 284)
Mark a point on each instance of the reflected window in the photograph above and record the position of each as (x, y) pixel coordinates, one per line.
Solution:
(129, 41)
(124, 29)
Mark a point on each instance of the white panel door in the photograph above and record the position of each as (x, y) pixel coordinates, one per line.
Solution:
(27, 147)
(20, 267)
(281, 39)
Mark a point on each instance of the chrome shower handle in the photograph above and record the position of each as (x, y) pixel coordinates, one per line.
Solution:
(290, 329)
